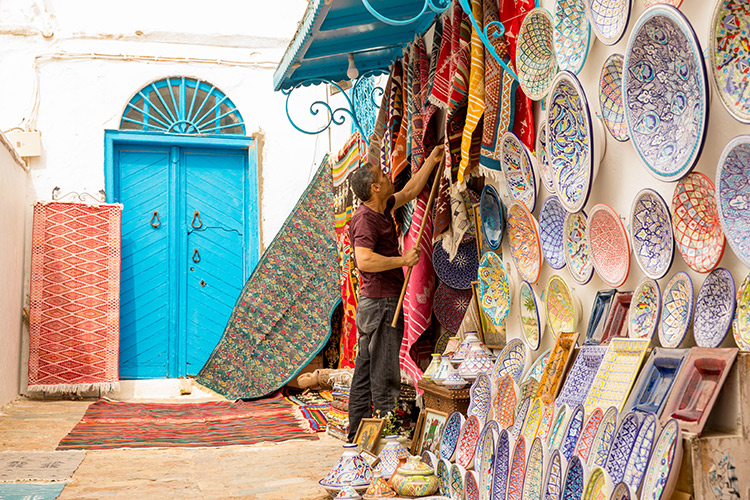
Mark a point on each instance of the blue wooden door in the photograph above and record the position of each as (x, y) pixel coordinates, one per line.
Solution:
(186, 253)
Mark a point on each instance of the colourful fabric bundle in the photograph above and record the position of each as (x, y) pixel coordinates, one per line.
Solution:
(395, 103)
(442, 77)
(475, 110)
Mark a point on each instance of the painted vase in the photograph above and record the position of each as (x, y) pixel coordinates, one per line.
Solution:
(350, 470)
(415, 478)
(390, 456)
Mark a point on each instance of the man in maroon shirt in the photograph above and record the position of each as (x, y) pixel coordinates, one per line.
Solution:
(377, 376)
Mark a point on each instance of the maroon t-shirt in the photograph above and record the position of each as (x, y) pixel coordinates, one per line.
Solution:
(376, 231)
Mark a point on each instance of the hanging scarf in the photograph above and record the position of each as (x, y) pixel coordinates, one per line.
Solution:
(393, 118)
(420, 71)
(399, 159)
(374, 149)
(443, 74)
(476, 98)
(437, 42)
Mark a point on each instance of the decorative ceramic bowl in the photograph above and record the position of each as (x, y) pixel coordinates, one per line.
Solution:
(714, 308)
(651, 233)
(467, 442)
(450, 306)
(494, 288)
(536, 63)
(518, 166)
(741, 324)
(491, 214)
(449, 437)
(542, 160)
(462, 270)
(666, 103)
(532, 485)
(390, 456)
(455, 381)
(572, 34)
(577, 252)
(728, 56)
(575, 141)
(523, 238)
(733, 194)
(695, 223)
(551, 227)
(608, 241)
(554, 478)
(610, 94)
(350, 470)
(511, 361)
(533, 317)
(676, 310)
(563, 308)
(609, 18)
(574, 478)
(415, 478)
(478, 361)
(643, 316)
(664, 464)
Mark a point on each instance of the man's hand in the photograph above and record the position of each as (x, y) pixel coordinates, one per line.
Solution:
(437, 155)
(411, 257)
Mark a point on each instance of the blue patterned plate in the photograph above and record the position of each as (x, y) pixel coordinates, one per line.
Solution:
(665, 90)
(457, 481)
(643, 315)
(518, 169)
(572, 34)
(511, 361)
(536, 62)
(491, 215)
(532, 485)
(651, 233)
(480, 397)
(574, 477)
(610, 97)
(572, 432)
(542, 160)
(581, 375)
(532, 320)
(462, 270)
(664, 464)
(676, 310)
(501, 466)
(729, 54)
(609, 18)
(714, 308)
(553, 481)
(733, 195)
(622, 446)
(494, 288)
(638, 461)
(485, 457)
(449, 438)
(551, 221)
(577, 252)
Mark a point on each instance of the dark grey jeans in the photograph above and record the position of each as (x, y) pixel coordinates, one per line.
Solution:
(377, 376)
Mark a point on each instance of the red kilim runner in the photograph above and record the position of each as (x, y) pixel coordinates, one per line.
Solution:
(74, 314)
(110, 424)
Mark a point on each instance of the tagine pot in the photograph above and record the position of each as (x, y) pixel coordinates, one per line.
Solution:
(350, 470)
(415, 479)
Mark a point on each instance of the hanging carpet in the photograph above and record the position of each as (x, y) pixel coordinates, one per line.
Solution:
(282, 317)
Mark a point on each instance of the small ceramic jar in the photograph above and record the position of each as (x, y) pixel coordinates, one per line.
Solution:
(415, 479)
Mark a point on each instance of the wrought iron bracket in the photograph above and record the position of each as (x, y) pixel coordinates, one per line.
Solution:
(436, 7)
(82, 197)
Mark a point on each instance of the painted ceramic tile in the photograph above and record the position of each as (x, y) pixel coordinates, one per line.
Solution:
(714, 308)
(603, 439)
(616, 373)
(656, 379)
(494, 288)
(728, 56)
(511, 361)
(517, 471)
(695, 223)
(610, 94)
(536, 63)
(581, 375)
(571, 35)
(574, 479)
(521, 411)
(643, 315)
(537, 367)
(533, 419)
(676, 310)
(577, 254)
(622, 446)
(481, 400)
(733, 191)
(638, 461)
(449, 438)
(572, 433)
(665, 103)
(504, 404)
(540, 151)
(617, 325)
(523, 239)
(583, 448)
(570, 139)
(562, 313)
(651, 233)
(553, 482)
(609, 18)
(551, 220)
(599, 315)
(532, 322)
(558, 428)
(548, 415)
(741, 324)
(491, 215)
(532, 485)
(661, 472)
(608, 241)
(697, 387)
(501, 467)
(596, 486)
(518, 170)
(552, 376)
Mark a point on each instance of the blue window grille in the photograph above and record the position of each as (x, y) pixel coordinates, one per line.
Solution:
(181, 105)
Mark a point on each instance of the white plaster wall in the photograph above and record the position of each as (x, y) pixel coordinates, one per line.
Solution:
(13, 215)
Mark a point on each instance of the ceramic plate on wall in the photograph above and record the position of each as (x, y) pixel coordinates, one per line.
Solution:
(491, 215)
(450, 306)
(553, 482)
(695, 223)
(542, 160)
(577, 253)
(610, 96)
(666, 104)
(575, 141)
(511, 361)
(537, 367)
(733, 195)
(504, 402)
(546, 424)
(485, 457)
(467, 442)
(521, 411)
(651, 233)
(532, 484)
(536, 63)
(714, 308)
(532, 315)
(676, 310)
(572, 432)
(494, 288)
(457, 481)
(563, 309)
(588, 434)
(638, 461)
(518, 169)
(574, 478)
(609, 18)
(449, 438)
(661, 473)
(462, 270)
(517, 470)
(572, 34)
(728, 56)
(551, 222)
(480, 398)
(523, 239)
(608, 241)
(502, 462)
(741, 325)
(643, 316)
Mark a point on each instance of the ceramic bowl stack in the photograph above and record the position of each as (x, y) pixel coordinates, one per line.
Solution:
(350, 470)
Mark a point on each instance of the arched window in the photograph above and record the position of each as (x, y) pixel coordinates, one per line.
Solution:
(181, 105)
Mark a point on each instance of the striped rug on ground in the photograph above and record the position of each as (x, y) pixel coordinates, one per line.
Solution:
(317, 416)
(112, 424)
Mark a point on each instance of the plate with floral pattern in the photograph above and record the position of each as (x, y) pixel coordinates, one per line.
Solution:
(577, 252)
(494, 288)
(610, 97)
(733, 194)
(523, 239)
(551, 226)
(651, 233)
(608, 241)
(714, 308)
(676, 310)
(643, 315)
(519, 170)
(536, 62)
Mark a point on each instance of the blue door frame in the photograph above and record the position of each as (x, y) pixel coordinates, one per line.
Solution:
(177, 357)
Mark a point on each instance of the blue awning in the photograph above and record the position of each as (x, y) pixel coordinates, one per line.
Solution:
(332, 29)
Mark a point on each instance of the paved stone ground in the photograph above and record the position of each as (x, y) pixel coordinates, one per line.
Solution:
(270, 471)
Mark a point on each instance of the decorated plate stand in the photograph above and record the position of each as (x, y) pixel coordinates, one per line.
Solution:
(655, 380)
